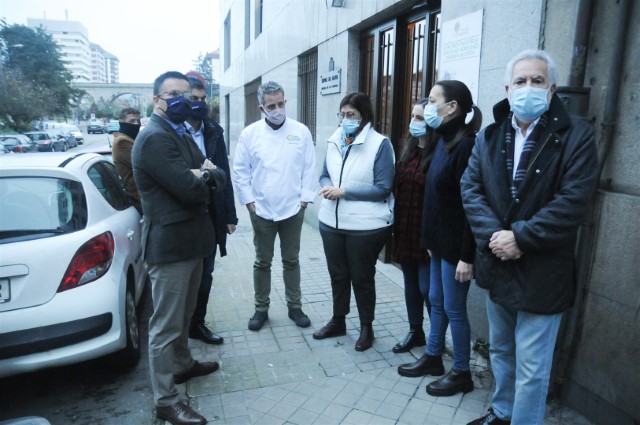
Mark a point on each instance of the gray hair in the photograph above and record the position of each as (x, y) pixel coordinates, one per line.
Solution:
(268, 88)
(532, 54)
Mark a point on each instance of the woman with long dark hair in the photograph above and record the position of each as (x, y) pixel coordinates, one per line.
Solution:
(408, 188)
(453, 121)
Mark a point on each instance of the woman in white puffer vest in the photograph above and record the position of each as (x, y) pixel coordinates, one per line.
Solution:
(356, 214)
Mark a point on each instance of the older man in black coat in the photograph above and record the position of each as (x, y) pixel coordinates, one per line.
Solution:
(530, 179)
(175, 181)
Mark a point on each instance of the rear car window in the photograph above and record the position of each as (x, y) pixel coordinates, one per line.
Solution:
(103, 175)
(38, 207)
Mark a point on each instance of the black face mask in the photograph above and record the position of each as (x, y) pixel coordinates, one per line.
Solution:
(199, 110)
(178, 109)
(129, 129)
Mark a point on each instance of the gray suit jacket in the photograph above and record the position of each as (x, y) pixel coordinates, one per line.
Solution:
(176, 226)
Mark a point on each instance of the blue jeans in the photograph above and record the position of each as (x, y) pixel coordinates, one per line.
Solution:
(416, 290)
(449, 305)
(521, 351)
(208, 264)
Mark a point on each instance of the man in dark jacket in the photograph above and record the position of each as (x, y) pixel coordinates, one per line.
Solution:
(529, 183)
(208, 135)
(175, 181)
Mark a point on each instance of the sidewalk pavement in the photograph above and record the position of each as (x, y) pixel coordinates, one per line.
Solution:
(281, 375)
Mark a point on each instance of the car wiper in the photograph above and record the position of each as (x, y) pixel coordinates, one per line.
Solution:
(23, 232)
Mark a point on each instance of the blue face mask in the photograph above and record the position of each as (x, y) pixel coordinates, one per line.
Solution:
(178, 109)
(528, 103)
(431, 115)
(418, 128)
(349, 126)
(199, 110)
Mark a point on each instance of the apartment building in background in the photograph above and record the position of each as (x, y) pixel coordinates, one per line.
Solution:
(105, 67)
(87, 61)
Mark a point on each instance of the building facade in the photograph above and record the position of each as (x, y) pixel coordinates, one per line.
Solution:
(394, 50)
(105, 67)
(87, 61)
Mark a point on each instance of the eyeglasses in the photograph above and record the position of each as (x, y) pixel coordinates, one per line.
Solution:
(174, 93)
(348, 115)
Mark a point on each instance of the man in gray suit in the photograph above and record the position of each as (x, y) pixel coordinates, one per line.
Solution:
(175, 182)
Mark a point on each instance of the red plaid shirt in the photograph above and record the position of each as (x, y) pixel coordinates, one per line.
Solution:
(409, 196)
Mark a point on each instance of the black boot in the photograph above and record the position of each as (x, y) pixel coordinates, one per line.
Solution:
(450, 384)
(335, 327)
(366, 337)
(415, 338)
(425, 365)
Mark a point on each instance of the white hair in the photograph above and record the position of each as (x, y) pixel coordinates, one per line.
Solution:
(532, 54)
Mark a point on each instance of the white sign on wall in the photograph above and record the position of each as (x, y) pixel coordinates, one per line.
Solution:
(460, 52)
(329, 82)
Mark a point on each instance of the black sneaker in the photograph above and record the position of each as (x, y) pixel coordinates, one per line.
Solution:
(299, 317)
(258, 319)
(489, 419)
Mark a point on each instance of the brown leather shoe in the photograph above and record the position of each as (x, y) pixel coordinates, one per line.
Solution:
(180, 414)
(335, 327)
(366, 337)
(198, 369)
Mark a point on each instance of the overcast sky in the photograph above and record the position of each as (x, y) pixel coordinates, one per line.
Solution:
(149, 37)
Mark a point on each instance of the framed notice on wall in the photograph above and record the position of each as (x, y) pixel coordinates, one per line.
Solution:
(460, 51)
(329, 82)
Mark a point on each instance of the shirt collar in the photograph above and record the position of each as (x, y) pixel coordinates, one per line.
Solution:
(177, 127)
(515, 125)
(193, 130)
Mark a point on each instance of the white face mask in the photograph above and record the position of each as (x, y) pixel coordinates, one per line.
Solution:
(277, 116)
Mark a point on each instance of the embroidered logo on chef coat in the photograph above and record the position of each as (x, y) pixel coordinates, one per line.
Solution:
(293, 138)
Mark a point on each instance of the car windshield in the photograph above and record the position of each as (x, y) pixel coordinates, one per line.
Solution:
(39, 207)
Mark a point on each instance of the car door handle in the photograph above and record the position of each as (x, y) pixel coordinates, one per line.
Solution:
(130, 234)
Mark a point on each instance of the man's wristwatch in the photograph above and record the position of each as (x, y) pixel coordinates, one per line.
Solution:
(205, 174)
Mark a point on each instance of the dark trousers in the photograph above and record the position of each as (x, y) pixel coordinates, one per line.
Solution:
(351, 261)
(416, 290)
(204, 290)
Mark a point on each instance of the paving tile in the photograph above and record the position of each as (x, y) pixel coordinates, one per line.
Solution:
(396, 399)
(282, 410)
(232, 410)
(263, 404)
(412, 417)
(303, 417)
(357, 417)
(368, 405)
(295, 399)
(336, 411)
(326, 420)
(347, 399)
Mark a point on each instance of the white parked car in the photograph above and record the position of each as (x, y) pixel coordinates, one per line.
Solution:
(71, 270)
